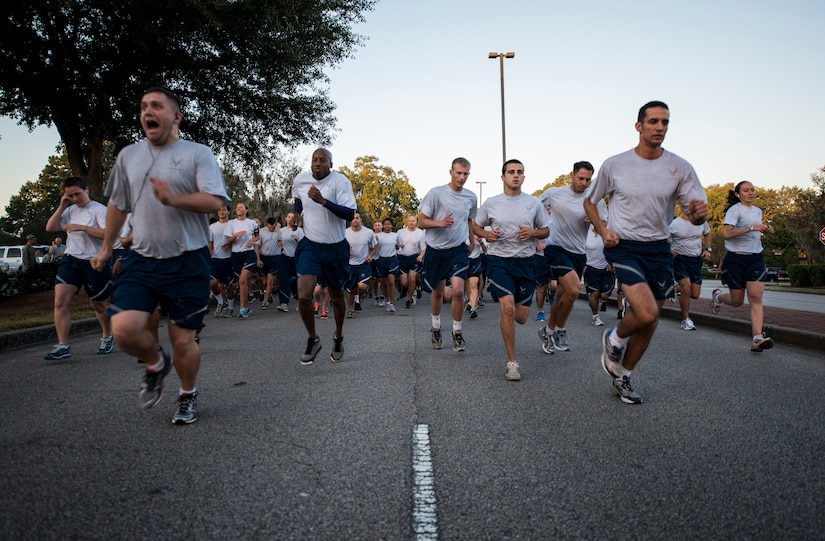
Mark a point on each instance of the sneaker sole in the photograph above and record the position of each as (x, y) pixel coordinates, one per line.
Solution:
(50, 357)
(184, 421)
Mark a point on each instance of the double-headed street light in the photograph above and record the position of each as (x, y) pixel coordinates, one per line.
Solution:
(501, 57)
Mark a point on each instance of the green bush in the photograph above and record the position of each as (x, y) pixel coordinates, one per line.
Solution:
(800, 275)
(38, 278)
(817, 273)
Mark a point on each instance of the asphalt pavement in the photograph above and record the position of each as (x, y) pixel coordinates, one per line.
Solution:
(728, 443)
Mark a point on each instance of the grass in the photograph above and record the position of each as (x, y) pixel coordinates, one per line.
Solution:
(36, 309)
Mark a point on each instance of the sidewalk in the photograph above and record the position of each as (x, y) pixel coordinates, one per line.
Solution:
(791, 327)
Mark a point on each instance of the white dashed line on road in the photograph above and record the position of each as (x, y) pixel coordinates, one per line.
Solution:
(425, 519)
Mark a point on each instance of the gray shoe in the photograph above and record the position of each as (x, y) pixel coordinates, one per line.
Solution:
(436, 339)
(337, 349)
(715, 304)
(611, 356)
(313, 347)
(107, 344)
(560, 342)
(546, 344)
(512, 372)
(623, 389)
(227, 312)
(219, 311)
(761, 343)
(187, 409)
(458, 342)
(152, 389)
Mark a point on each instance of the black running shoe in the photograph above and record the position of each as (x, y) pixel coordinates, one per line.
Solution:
(152, 389)
(313, 347)
(187, 409)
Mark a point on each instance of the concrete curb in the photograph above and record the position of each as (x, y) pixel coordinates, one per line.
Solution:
(44, 333)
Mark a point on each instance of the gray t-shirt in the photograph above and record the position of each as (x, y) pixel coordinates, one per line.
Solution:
(642, 194)
(437, 204)
(162, 231)
(686, 238)
(568, 230)
(741, 216)
(360, 243)
(506, 213)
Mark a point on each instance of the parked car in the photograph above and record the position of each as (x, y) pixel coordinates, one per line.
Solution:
(13, 255)
(777, 273)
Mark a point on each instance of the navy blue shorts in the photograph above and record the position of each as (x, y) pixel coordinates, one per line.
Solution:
(739, 269)
(511, 276)
(561, 261)
(476, 266)
(359, 274)
(79, 272)
(386, 266)
(243, 261)
(685, 266)
(269, 264)
(119, 254)
(598, 280)
(180, 285)
(329, 263)
(444, 264)
(407, 263)
(648, 262)
(221, 270)
(544, 273)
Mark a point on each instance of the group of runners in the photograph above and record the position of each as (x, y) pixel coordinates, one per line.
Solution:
(620, 224)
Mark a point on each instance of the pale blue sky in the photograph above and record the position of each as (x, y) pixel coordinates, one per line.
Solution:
(743, 79)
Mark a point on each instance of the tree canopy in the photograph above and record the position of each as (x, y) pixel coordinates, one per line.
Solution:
(248, 71)
(380, 191)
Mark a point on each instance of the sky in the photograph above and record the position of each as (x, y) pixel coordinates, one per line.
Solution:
(744, 81)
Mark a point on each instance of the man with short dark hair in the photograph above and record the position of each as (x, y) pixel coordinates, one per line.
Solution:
(167, 186)
(84, 221)
(643, 186)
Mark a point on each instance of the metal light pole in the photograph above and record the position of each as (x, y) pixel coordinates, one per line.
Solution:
(481, 184)
(501, 57)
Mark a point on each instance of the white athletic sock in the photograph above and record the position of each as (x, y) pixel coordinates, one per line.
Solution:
(158, 366)
(358, 298)
(219, 298)
(456, 326)
(615, 340)
(230, 303)
(436, 322)
(625, 372)
(182, 392)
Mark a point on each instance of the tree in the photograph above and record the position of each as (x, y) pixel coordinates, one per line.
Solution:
(808, 217)
(561, 180)
(248, 71)
(29, 210)
(380, 192)
(266, 194)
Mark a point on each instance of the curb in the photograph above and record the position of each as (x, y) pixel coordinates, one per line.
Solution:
(44, 333)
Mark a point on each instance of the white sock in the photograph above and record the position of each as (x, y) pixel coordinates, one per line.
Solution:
(158, 366)
(230, 303)
(615, 340)
(358, 298)
(757, 337)
(182, 392)
(219, 298)
(625, 372)
(456, 326)
(436, 322)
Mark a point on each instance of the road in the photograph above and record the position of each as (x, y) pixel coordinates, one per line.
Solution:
(400, 441)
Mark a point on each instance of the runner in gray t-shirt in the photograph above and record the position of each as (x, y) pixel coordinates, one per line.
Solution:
(643, 186)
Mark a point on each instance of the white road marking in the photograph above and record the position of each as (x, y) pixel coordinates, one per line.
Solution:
(425, 519)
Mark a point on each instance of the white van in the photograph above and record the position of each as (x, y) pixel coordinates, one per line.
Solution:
(13, 255)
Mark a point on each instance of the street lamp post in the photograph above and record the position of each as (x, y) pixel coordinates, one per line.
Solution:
(481, 184)
(501, 57)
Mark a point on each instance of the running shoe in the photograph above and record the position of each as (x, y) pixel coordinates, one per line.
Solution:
(512, 372)
(761, 343)
(436, 339)
(283, 307)
(546, 344)
(58, 353)
(357, 306)
(350, 314)
(473, 313)
(313, 347)
(244, 312)
(539, 316)
(468, 306)
(381, 301)
(603, 305)
(622, 388)
(218, 310)
(151, 390)
(715, 304)
(107, 344)
(227, 312)
(264, 305)
(315, 307)
(625, 307)
(323, 314)
(408, 304)
(187, 409)
(611, 356)
(687, 325)
(458, 341)
(480, 302)
(390, 307)
(337, 348)
(560, 342)
(597, 321)
(418, 292)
